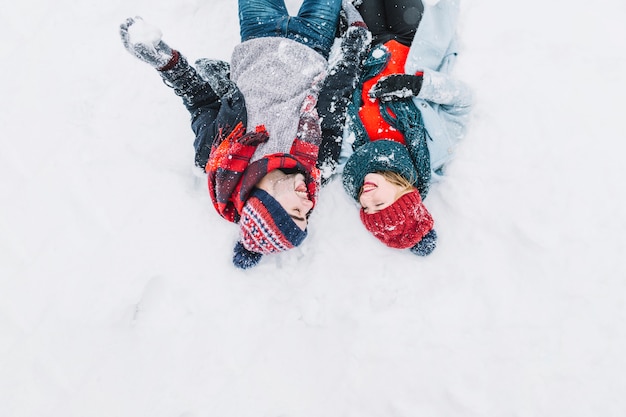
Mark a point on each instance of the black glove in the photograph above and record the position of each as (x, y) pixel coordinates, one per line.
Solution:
(396, 86)
(254, 138)
(217, 74)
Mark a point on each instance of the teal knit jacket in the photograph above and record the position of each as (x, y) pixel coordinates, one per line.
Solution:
(444, 104)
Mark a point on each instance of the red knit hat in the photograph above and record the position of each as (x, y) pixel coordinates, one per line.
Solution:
(403, 224)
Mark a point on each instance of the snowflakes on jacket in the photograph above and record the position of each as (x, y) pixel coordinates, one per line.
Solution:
(336, 95)
(232, 177)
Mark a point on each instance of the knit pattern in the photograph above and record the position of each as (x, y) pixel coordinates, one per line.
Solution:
(266, 227)
(404, 115)
(401, 225)
(275, 76)
(377, 156)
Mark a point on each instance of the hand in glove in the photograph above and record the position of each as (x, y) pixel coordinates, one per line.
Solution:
(353, 16)
(396, 86)
(144, 42)
(255, 138)
(356, 42)
(309, 124)
(310, 101)
(217, 74)
(308, 105)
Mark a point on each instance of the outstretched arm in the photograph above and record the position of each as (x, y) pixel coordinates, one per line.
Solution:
(338, 88)
(213, 110)
(446, 90)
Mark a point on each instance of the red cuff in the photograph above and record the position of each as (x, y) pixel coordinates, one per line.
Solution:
(173, 61)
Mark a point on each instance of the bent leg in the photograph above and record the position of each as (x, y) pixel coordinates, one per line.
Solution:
(436, 45)
(320, 12)
(387, 20)
(260, 18)
(375, 17)
(403, 18)
(316, 24)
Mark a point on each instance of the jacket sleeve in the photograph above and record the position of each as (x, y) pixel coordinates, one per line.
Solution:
(441, 88)
(226, 166)
(446, 104)
(305, 147)
(434, 51)
(210, 118)
(336, 94)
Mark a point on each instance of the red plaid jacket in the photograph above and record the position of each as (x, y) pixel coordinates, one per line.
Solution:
(232, 177)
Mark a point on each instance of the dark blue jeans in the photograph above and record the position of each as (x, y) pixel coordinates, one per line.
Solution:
(314, 26)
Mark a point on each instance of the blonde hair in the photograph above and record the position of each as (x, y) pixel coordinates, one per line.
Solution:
(404, 185)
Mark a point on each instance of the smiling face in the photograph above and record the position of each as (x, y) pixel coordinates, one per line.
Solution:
(378, 192)
(290, 190)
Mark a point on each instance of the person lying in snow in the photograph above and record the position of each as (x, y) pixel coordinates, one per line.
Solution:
(257, 130)
(408, 114)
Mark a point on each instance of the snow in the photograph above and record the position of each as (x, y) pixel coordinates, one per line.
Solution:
(117, 293)
(144, 33)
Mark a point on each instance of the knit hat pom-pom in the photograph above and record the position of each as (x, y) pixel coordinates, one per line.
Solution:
(243, 258)
(426, 245)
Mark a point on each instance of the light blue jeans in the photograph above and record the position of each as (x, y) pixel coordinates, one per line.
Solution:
(314, 26)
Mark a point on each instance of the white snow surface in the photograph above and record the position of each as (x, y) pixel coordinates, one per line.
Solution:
(117, 292)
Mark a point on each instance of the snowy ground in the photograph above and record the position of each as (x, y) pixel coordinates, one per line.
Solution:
(118, 298)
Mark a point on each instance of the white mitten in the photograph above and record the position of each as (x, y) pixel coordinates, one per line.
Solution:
(144, 42)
